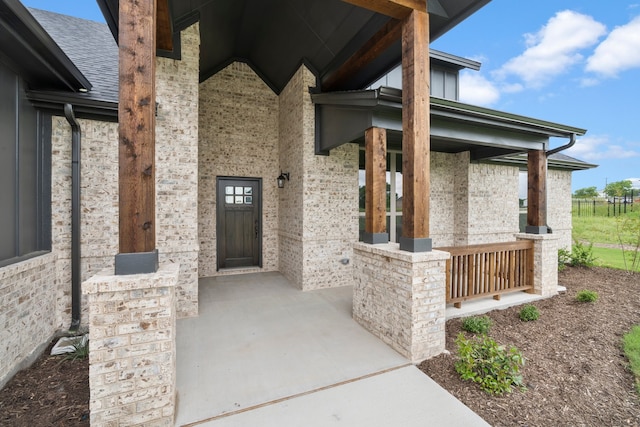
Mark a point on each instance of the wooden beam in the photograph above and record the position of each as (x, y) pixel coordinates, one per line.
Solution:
(537, 192)
(415, 128)
(375, 217)
(164, 29)
(398, 9)
(136, 117)
(380, 42)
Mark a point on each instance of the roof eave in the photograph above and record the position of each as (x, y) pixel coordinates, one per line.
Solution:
(33, 45)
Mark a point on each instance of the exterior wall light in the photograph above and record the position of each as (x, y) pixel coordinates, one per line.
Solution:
(281, 179)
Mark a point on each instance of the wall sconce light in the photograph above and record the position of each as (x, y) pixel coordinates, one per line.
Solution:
(281, 179)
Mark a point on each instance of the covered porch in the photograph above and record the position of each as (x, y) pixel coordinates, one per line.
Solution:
(263, 353)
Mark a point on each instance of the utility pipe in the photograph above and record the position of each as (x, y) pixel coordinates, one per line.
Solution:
(76, 138)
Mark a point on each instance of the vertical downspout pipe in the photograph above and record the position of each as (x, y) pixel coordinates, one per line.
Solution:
(76, 139)
(571, 143)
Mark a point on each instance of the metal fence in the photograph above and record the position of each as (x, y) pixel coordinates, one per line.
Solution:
(613, 206)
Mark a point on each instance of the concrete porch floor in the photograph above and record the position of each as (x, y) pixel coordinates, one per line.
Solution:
(263, 353)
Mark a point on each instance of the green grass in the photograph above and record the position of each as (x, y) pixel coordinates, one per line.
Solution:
(631, 345)
(611, 258)
(598, 229)
(603, 229)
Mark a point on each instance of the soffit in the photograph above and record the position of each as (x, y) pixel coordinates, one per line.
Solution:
(276, 36)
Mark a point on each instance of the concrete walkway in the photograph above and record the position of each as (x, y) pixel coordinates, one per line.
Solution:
(262, 353)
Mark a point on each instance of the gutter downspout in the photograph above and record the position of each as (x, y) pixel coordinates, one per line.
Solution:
(572, 141)
(76, 139)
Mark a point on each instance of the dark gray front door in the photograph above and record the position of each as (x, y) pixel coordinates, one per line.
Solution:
(239, 227)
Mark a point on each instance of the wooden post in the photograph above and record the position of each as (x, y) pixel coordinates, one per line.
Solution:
(415, 133)
(375, 217)
(537, 192)
(136, 117)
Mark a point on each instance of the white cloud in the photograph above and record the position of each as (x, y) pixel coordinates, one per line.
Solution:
(598, 147)
(589, 81)
(476, 89)
(554, 49)
(618, 52)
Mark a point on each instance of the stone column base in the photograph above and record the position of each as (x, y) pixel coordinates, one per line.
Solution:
(545, 262)
(132, 352)
(400, 297)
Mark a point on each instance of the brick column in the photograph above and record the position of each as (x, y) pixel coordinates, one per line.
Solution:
(132, 354)
(399, 296)
(545, 262)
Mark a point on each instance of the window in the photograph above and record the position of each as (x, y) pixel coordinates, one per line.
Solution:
(25, 164)
(394, 187)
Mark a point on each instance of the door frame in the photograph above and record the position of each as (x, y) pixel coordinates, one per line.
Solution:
(220, 207)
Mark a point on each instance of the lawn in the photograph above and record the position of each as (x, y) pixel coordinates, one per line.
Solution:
(606, 234)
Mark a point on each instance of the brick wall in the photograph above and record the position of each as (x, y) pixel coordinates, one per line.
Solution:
(493, 203)
(99, 205)
(318, 209)
(238, 137)
(177, 87)
(559, 206)
(400, 297)
(132, 354)
(27, 312)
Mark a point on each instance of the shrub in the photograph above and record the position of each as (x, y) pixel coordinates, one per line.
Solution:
(477, 325)
(587, 296)
(582, 256)
(529, 313)
(564, 258)
(483, 361)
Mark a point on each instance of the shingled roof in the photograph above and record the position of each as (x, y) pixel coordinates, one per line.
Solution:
(92, 49)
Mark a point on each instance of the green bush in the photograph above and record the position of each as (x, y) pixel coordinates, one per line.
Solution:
(477, 325)
(529, 313)
(587, 296)
(582, 256)
(564, 258)
(483, 361)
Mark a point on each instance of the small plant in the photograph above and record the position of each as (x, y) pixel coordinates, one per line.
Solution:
(483, 361)
(582, 256)
(529, 313)
(80, 350)
(477, 324)
(587, 296)
(564, 258)
(631, 345)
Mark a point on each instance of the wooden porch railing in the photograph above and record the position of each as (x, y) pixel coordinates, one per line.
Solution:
(488, 270)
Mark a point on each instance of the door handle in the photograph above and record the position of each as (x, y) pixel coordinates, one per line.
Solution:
(256, 228)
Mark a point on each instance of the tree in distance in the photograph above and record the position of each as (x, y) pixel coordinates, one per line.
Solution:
(586, 193)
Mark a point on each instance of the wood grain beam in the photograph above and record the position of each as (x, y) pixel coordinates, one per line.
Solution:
(374, 47)
(415, 126)
(136, 117)
(164, 29)
(375, 157)
(398, 9)
(537, 188)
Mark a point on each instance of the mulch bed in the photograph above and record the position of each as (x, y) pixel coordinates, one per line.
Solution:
(576, 372)
(54, 391)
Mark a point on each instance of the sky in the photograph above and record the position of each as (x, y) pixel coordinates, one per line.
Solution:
(572, 62)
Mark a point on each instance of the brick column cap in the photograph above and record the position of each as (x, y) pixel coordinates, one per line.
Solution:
(528, 236)
(106, 281)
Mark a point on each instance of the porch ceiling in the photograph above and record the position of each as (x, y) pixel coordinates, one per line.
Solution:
(276, 36)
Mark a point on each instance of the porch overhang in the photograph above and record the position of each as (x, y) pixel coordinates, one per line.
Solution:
(342, 117)
(276, 37)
